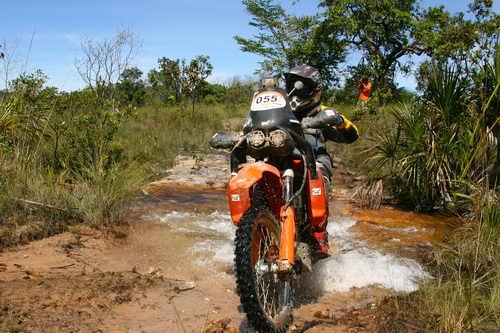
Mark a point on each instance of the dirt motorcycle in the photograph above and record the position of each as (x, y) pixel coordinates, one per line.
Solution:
(275, 200)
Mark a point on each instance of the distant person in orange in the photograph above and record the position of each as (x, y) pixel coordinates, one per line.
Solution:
(365, 90)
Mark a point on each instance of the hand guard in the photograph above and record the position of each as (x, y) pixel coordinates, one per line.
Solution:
(310, 122)
(322, 122)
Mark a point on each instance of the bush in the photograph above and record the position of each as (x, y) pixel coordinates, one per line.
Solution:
(239, 93)
(214, 93)
(437, 150)
(59, 161)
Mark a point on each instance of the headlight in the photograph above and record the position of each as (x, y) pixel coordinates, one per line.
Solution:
(256, 138)
(277, 138)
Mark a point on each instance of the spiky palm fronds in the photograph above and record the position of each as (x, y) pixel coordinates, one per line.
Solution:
(446, 94)
(432, 141)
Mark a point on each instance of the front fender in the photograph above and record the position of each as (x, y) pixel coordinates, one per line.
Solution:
(240, 188)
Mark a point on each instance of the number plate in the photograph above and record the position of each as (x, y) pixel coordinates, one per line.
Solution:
(268, 100)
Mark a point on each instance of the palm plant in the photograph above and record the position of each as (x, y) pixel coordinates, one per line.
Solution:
(431, 139)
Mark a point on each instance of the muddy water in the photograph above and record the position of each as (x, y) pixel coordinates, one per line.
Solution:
(368, 248)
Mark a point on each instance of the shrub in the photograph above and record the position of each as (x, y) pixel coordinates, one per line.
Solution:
(59, 161)
(437, 151)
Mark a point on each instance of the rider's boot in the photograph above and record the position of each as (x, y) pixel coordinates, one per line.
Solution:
(320, 246)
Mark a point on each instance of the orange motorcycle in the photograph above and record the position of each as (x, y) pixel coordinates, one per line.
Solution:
(275, 200)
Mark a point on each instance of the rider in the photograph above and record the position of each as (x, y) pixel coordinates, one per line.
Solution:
(308, 109)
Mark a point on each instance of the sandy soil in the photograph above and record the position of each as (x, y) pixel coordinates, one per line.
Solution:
(141, 276)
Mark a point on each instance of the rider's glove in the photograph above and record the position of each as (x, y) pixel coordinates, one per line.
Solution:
(331, 118)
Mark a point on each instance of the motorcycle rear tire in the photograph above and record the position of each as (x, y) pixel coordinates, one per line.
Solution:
(266, 298)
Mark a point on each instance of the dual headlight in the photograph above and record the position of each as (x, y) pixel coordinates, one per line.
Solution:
(277, 138)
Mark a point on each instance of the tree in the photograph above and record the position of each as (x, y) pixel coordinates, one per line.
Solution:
(172, 75)
(465, 42)
(285, 41)
(130, 87)
(102, 63)
(194, 75)
(382, 30)
(156, 88)
(174, 78)
(29, 86)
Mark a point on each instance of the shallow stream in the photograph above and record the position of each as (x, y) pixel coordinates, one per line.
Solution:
(369, 248)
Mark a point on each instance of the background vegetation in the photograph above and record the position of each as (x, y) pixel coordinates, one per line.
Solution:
(76, 157)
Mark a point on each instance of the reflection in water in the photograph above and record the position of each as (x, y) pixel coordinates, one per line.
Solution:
(185, 198)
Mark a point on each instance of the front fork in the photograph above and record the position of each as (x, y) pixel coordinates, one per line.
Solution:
(287, 225)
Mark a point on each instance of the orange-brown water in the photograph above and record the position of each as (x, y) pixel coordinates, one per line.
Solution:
(182, 197)
(387, 229)
(401, 232)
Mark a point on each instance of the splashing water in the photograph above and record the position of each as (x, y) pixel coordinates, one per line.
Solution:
(217, 231)
(354, 264)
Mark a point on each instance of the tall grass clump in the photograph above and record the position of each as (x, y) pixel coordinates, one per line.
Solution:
(104, 194)
(464, 296)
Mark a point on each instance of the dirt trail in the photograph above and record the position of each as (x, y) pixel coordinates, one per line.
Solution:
(154, 274)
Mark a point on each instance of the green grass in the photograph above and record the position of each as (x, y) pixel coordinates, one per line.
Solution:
(156, 135)
(33, 204)
(38, 198)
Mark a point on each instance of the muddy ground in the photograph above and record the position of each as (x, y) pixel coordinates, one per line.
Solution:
(146, 276)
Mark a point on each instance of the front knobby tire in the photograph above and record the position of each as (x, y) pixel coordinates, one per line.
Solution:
(265, 297)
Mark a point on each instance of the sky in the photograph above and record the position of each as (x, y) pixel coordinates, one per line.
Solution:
(46, 34)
